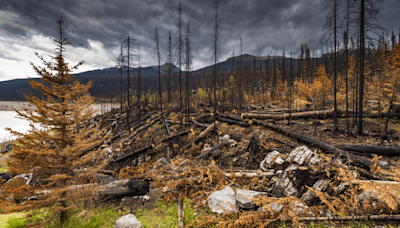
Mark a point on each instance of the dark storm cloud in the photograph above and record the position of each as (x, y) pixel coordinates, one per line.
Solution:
(266, 26)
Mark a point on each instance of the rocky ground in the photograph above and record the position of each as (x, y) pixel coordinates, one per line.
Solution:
(249, 167)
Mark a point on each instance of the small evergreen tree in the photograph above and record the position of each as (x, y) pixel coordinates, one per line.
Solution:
(52, 154)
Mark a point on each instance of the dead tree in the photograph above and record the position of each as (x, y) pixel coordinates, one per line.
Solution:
(215, 57)
(130, 54)
(138, 84)
(367, 11)
(169, 67)
(331, 37)
(188, 63)
(158, 56)
(179, 51)
(121, 64)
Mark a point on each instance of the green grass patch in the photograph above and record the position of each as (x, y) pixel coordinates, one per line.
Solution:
(3, 167)
(79, 217)
(165, 214)
(12, 220)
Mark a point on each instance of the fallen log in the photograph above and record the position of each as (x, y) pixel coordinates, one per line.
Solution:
(354, 218)
(228, 121)
(108, 142)
(357, 160)
(144, 149)
(365, 163)
(309, 114)
(139, 151)
(143, 128)
(201, 135)
(383, 150)
(212, 149)
(250, 174)
(391, 115)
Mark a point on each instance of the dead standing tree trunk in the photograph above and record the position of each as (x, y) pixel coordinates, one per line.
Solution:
(215, 57)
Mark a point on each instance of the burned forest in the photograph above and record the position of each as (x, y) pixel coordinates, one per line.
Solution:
(296, 138)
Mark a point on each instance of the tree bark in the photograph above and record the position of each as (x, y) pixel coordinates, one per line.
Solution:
(382, 150)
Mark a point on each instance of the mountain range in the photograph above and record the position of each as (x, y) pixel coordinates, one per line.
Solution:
(107, 81)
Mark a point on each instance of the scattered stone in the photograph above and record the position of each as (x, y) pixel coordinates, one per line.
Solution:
(384, 164)
(207, 146)
(300, 155)
(321, 185)
(244, 198)
(291, 167)
(315, 160)
(300, 208)
(276, 207)
(128, 221)
(273, 160)
(223, 201)
(6, 148)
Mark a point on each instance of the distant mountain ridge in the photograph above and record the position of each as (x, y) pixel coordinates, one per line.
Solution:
(107, 80)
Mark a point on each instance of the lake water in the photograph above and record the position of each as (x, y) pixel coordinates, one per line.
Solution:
(8, 119)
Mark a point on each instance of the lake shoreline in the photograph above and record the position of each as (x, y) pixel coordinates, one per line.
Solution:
(19, 105)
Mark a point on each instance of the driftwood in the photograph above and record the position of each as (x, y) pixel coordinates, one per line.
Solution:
(212, 149)
(283, 116)
(201, 135)
(383, 150)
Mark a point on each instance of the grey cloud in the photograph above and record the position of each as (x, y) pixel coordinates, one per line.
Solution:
(266, 26)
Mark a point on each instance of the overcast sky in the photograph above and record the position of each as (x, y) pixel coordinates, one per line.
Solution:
(96, 28)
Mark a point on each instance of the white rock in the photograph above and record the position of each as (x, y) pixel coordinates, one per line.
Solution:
(299, 155)
(300, 208)
(276, 207)
(128, 221)
(231, 142)
(225, 198)
(291, 167)
(244, 198)
(207, 146)
(384, 164)
(315, 160)
(224, 138)
(273, 160)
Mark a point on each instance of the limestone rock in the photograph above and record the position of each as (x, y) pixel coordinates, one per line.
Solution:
(128, 221)
(300, 208)
(276, 207)
(225, 198)
(300, 155)
(273, 160)
(244, 198)
(321, 185)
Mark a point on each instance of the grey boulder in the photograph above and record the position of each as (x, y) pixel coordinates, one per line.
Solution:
(223, 201)
(245, 198)
(128, 221)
